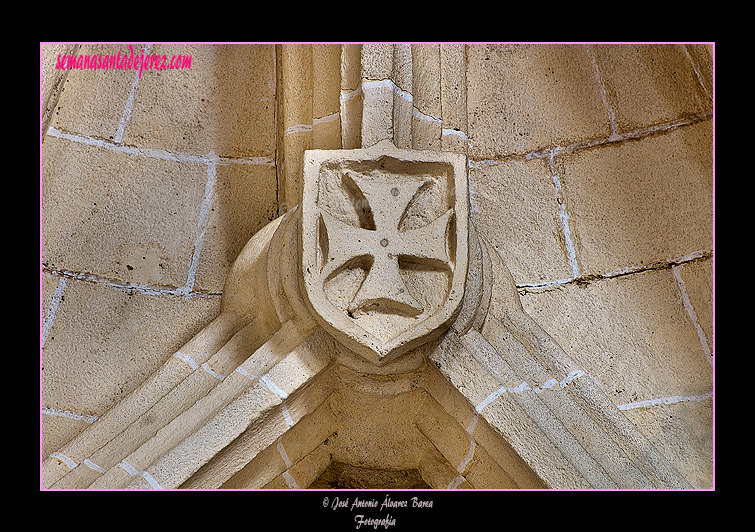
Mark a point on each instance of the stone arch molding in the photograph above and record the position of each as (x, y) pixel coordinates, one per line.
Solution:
(370, 326)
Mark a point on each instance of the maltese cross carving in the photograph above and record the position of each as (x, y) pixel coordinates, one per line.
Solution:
(384, 245)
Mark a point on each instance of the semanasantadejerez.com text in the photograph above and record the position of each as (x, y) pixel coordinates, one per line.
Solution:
(123, 61)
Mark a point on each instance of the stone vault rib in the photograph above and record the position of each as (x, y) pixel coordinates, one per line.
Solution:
(91, 447)
(271, 446)
(184, 458)
(592, 402)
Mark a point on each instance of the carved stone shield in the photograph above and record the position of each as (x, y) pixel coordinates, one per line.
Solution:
(383, 246)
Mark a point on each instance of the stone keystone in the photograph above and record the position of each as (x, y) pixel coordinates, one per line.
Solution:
(384, 245)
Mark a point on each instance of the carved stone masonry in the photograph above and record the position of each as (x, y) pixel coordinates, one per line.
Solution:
(384, 245)
(370, 326)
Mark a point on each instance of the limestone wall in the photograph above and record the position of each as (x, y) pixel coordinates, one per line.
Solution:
(591, 172)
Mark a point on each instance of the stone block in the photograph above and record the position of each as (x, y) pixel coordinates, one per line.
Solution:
(683, 433)
(701, 56)
(266, 465)
(649, 84)
(225, 102)
(698, 283)
(48, 286)
(93, 101)
(326, 59)
(52, 77)
(244, 200)
(106, 341)
(309, 433)
(123, 217)
(58, 430)
(363, 422)
(540, 453)
(528, 97)
(637, 202)
(377, 60)
(513, 205)
(307, 471)
(49, 73)
(630, 333)
(451, 440)
(484, 471)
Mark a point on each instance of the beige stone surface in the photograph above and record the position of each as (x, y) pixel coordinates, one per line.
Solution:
(634, 203)
(670, 89)
(120, 216)
(59, 427)
(381, 420)
(587, 161)
(514, 204)
(631, 333)
(684, 432)
(49, 284)
(697, 278)
(551, 98)
(93, 101)
(105, 342)
(53, 78)
(244, 201)
(227, 102)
